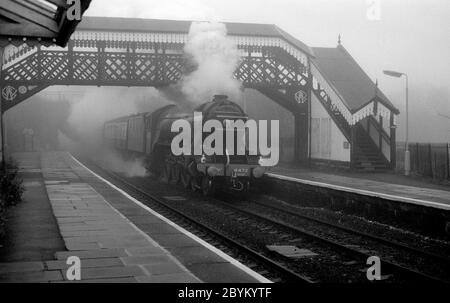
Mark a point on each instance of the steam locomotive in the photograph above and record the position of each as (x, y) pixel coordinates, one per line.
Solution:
(149, 135)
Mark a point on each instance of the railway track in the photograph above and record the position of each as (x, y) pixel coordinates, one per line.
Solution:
(261, 264)
(395, 268)
(256, 258)
(400, 246)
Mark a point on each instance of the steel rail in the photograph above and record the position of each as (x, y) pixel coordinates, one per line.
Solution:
(263, 261)
(355, 252)
(356, 232)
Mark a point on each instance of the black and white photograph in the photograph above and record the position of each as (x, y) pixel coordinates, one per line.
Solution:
(210, 146)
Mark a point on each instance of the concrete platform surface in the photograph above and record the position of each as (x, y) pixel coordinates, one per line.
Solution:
(421, 194)
(115, 238)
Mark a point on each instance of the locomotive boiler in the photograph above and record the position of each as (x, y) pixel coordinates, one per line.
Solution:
(150, 135)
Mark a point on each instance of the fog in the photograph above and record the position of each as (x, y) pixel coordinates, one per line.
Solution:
(411, 36)
(80, 129)
(87, 116)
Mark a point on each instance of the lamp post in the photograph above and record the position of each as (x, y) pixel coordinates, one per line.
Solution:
(407, 156)
(2, 143)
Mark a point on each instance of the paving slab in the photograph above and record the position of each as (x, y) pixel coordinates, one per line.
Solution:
(31, 277)
(195, 254)
(174, 240)
(146, 259)
(219, 273)
(20, 267)
(83, 246)
(111, 272)
(143, 251)
(145, 219)
(122, 243)
(157, 228)
(116, 239)
(164, 268)
(87, 263)
(92, 254)
(110, 280)
(170, 278)
(32, 231)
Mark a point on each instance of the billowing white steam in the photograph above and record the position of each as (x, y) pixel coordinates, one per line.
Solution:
(111, 160)
(89, 114)
(97, 106)
(216, 57)
(105, 157)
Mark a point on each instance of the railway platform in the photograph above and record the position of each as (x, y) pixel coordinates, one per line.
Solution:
(69, 211)
(395, 188)
(386, 198)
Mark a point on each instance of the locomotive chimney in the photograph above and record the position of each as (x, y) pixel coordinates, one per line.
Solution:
(220, 97)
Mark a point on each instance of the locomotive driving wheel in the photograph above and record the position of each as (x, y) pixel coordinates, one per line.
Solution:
(208, 186)
(176, 173)
(186, 178)
(195, 183)
(166, 173)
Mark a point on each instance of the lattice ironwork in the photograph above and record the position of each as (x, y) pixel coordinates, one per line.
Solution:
(85, 66)
(333, 111)
(272, 70)
(269, 71)
(104, 68)
(261, 68)
(53, 67)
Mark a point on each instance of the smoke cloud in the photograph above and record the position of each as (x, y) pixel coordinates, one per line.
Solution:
(113, 161)
(215, 58)
(88, 115)
(105, 157)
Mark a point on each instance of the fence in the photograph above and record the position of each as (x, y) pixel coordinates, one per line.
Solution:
(427, 159)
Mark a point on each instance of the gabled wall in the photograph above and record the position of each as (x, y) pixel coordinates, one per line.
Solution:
(327, 140)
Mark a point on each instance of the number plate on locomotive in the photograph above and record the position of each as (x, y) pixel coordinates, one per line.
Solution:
(240, 172)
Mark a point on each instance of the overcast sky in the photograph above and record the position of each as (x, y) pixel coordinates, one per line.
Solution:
(412, 36)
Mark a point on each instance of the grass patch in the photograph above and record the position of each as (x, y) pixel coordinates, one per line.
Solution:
(11, 190)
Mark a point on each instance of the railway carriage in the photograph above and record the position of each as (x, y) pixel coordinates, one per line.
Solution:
(115, 133)
(135, 134)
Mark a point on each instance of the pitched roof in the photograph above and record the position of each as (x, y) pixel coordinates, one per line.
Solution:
(348, 78)
(37, 21)
(177, 26)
